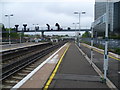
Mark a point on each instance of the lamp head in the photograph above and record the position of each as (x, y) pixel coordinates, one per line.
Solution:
(76, 13)
(6, 15)
(11, 15)
(83, 12)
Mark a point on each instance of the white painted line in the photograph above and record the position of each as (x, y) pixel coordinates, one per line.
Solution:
(84, 54)
(19, 84)
(118, 72)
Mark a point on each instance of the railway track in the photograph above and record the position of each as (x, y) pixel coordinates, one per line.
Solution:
(20, 56)
(12, 54)
(19, 68)
(9, 59)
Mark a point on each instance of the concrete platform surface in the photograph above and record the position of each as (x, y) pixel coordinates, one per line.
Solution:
(16, 46)
(75, 72)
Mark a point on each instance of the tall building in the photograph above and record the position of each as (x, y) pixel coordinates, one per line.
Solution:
(114, 17)
(117, 17)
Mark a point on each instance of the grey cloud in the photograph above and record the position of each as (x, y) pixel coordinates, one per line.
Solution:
(48, 12)
(69, 7)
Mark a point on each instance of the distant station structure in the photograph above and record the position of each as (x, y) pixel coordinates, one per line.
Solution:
(48, 29)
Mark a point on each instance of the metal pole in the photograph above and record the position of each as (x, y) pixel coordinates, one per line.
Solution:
(35, 29)
(106, 42)
(78, 38)
(20, 38)
(35, 34)
(75, 33)
(9, 29)
(91, 46)
(79, 31)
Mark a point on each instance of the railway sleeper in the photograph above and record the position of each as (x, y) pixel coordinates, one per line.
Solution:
(11, 81)
(22, 74)
(27, 71)
(28, 68)
(32, 65)
(17, 77)
(6, 86)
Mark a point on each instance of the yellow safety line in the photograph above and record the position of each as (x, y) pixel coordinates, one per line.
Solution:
(55, 70)
(102, 53)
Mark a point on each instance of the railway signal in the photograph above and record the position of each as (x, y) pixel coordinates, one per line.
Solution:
(48, 26)
(69, 28)
(16, 27)
(58, 26)
(24, 25)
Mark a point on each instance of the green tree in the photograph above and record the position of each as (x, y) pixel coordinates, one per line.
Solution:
(87, 34)
(12, 34)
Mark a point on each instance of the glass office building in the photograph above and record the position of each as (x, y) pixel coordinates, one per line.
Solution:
(117, 17)
(114, 16)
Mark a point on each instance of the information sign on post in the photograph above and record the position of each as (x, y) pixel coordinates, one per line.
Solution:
(101, 20)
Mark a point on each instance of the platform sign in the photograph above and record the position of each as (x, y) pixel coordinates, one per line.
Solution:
(103, 19)
(100, 20)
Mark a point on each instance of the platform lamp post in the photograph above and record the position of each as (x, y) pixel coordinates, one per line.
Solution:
(92, 27)
(35, 29)
(106, 42)
(75, 30)
(9, 26)
(79, 13)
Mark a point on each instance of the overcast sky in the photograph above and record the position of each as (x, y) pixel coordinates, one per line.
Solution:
(47, 11)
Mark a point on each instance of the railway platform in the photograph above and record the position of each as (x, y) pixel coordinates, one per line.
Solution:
(8, 47)
(66, 68)
(74, 72)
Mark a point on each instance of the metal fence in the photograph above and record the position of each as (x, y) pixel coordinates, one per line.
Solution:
(112, 43)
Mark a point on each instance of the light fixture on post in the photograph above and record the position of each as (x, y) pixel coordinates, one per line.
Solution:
(9, 26)
(106, 42)
(36, 27)
(79, 13)
(75, 31)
